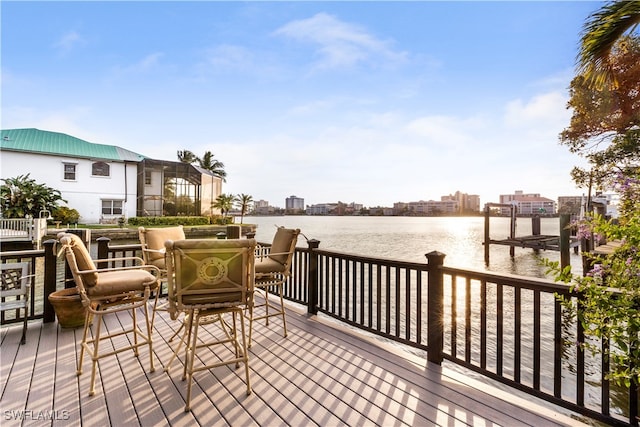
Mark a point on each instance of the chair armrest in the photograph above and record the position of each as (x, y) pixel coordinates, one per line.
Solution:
(281, 253)
(141, 266)
(126, 258)
(155, 251)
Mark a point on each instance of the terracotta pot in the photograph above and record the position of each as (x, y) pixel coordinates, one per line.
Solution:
(68, 307)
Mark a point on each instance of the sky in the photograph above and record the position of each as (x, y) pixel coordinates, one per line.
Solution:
(367, 102)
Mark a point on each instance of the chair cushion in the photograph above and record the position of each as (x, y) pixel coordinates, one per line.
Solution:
(83, 258)
(231, 298)
(268, 265)
(117, 282)
(282, 244)
(155, 238)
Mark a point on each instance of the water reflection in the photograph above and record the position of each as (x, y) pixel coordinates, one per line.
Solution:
(409, 238)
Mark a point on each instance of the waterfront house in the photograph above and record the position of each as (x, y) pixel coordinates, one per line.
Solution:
(528, 204)
(106, 182)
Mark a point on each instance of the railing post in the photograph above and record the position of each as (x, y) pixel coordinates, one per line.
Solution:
(312, 277)
(435, 307)
(565, 240)
(50, 274)
(103, 247)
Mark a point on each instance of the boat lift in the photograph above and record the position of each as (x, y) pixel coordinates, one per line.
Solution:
(535, 241)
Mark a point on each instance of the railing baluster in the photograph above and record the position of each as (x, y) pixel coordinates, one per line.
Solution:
(483, 324)
(499, 328)
(580, 373)
(467, 320)
(454, 316)
(557, 349)
(517, 334)
(407, 304)
(536, 340)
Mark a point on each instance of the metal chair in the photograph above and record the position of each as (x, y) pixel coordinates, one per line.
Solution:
(109, 290)
(153, 253)
(208, 278)
(273, 268)
(14, 291)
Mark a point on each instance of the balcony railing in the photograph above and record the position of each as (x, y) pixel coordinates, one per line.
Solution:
(508, 328)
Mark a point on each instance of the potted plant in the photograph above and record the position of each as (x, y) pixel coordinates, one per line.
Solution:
(68, 307)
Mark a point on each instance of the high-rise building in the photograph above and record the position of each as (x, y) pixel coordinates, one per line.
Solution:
(294, 204)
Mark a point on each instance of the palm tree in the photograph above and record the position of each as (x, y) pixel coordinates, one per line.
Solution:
(243, 200)
(224, 202)
(213, 165)
(600, 33)
(186, 156)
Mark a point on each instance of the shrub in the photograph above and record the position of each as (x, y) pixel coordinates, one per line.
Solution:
(66, 215)
(153, 221)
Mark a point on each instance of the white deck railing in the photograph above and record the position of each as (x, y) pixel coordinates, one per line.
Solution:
(22, 229)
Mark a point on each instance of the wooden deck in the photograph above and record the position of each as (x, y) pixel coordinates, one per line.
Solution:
(319, 375)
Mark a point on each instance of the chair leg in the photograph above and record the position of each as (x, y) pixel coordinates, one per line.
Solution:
(266, 305)
(235, 342)
(135, 331)
(188, 332)
(175, 334)
(250, 308)
(88, 317)
(95, 357)
(244, 349)
(177, 349)
(149, 335)
(191, 355)
(24, 326)
(284, 317)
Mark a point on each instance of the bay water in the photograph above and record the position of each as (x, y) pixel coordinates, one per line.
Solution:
(410, 238)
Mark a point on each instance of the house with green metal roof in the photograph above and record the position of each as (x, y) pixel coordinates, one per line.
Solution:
(105, 182)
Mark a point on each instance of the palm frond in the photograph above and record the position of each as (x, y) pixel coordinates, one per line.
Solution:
(601, 31)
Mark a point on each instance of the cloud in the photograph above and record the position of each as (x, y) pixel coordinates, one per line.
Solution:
(444, 130)
(68, 42)
(538, 119)
(547, 107)
(340, 44)
(144, 65)
(230, 57)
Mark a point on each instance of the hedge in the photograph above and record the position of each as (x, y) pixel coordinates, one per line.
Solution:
(150, 221)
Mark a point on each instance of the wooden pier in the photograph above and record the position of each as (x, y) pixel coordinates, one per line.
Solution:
(535, 241)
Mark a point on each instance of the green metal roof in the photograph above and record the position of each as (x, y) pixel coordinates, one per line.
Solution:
(55, 143)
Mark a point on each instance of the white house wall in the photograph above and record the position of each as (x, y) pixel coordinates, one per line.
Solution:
(87, 192)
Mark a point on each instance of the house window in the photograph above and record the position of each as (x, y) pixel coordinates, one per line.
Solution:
(147, 178)
(69, 171)
(112, 207)
(100, 169)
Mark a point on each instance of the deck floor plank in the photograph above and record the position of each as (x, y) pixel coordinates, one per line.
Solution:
(40, 398)
(319, 375)
(18, 379)
(8, 356)
(66, 394)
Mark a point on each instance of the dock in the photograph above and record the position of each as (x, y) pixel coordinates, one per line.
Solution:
(536, 241)
(320, 375)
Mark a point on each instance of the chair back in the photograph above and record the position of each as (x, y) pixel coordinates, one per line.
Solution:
(209, 273)
(14, 281)
(152, 243)
(283, 246)
(80, 263)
